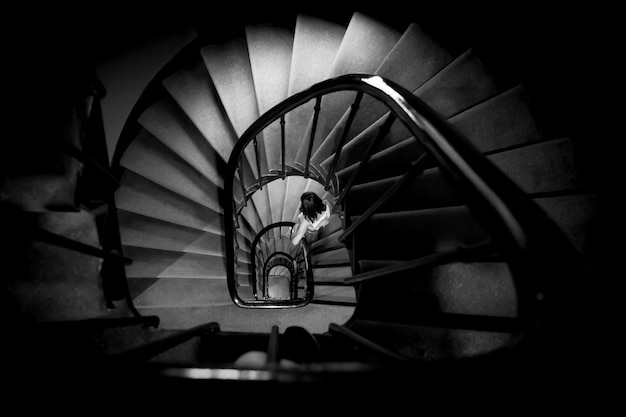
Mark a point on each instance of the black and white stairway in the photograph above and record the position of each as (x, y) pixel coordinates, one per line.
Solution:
(170, 199)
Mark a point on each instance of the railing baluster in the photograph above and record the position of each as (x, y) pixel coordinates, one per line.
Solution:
(366, 157)
(344, 136)
(482, 251)
(318, 102)
(64, 242)
(258, 162)
(507, 209)
(80, 155)
(416, 168)
(272, 348)
(243, 186)
(336, 329)
(151, 349)
(282, 144)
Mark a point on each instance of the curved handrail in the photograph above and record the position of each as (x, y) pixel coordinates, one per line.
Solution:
(522, 230)
(256, 303)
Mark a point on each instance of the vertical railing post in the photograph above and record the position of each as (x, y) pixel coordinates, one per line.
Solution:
(258, 162)
(241, 182)
(366, 157)
(316, 114)
(353, 109)
(282, 144)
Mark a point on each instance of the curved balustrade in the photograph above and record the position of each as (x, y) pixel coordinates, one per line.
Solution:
(519, 231)
(282, 275)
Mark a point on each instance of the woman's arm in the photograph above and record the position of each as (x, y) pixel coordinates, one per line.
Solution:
(298, 231)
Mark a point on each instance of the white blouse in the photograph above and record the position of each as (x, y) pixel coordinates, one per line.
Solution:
(321, 220)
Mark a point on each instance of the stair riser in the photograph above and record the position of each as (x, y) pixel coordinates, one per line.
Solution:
(538, 168)
(414, 59)
(429, 190)
(479, 288)
(141, 196)
(409, 235)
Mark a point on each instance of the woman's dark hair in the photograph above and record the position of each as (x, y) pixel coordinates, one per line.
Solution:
(310, 205)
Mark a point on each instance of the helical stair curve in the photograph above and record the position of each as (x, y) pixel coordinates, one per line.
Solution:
(171, 200)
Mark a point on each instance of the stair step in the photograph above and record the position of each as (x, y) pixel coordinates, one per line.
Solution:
(390, 162)
(336, 256)
(149, 158)
(229, 68)
(503, 121)
(141, 231)
(536, 168)
(329, 293)
(141, 196)
(480, 288)
(172, 264)
(330, 241)
(414, 59)
(263, 205)
(411, 234)
(250, 214)
(41, 193)
(314, 318)
(315, 45)
(193, 91)
(363, 34)
(429, 190)
(270, 49)
(44, 282)
(499, 122)
(540, 168)
(462, 84)
(352, 153)
(428, 343)
(277, 190)
(333, 274)
(335, 223)
(166, 122)
(183, 292)
(578, 216)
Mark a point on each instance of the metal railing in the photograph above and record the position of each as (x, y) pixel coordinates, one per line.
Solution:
(271, 250)
(521, 232)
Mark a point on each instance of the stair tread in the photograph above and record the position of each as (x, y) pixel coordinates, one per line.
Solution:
(172, 264)
(340, 255)
(141, 231)
(362, 32)
(335, 274)
(413, 60)
(229, 68)
(316, 42)
(142, 196)
(502, 121)
(542, 167)
(460, 85)
(166, 122)
(149, 158)
(183, 292)
(415, 233)
(270, 49)
(192, 90)
(314, 318)
(499, 122)
(353, 151)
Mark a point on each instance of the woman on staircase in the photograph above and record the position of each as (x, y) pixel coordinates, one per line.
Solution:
(314, 215)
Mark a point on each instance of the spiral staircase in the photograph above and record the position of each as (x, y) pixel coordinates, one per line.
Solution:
(378, 296)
